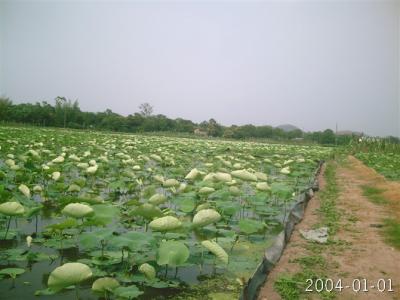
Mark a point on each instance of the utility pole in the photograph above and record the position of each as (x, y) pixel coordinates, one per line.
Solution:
(336, 136)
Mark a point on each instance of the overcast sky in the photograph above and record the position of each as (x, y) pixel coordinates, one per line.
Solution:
(310, 64)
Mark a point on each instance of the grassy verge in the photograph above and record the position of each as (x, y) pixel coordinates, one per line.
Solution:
(391, 226)
(314, 265)
(374, 194)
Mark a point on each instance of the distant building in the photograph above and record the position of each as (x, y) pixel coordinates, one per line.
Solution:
(349, 132)
(200, 132)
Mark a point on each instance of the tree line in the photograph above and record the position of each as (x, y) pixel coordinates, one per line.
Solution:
(67, 114)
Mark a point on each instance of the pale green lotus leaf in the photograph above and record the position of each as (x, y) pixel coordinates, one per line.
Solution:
(148, 271)
(202, 206)
(182, 187)
(37, 189)
(217, 250)
(224, 177)
(156, 157)
(74, 188)
(92, 169)
(58, 159)
(287, 162)
(262, 186)
(244, 175)
(165, 224)
(285, 170)
(159, 178)
(24, 190)
(205, 217)
(104, 284)
(209, 177)
(83, 165)
(68, 274)
(193, 174)
(171, 183)
(148, 211)
(10, 162)
(157, 199)
(237, 166)
(234, 190)
(55, 176)
(77, 210)
(11, 209)
(261, 176)
(74, 157)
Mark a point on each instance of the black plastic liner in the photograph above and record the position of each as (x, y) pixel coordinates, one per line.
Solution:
(274, 252)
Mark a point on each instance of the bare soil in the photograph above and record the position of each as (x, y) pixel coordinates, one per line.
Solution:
(361, 251)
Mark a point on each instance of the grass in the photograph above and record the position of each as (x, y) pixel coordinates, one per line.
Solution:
(313, 266)
(329, 213)
(391, 232)
(374, 194)
(391, 226)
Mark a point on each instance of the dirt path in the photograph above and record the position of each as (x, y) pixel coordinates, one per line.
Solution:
(358, 249)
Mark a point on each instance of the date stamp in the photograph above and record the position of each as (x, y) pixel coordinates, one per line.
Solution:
(358, 285)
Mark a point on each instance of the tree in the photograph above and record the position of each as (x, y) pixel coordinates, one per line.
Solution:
(146, 109)
(328, 137)
(61, 104)
(214, 129)
(5, 105)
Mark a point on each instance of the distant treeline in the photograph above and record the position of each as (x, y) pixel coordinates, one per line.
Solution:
(66, 113)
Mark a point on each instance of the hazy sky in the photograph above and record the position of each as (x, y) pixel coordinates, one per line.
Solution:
(310, 64)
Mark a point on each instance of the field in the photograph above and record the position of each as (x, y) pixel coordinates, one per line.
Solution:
(130, 216)
(387, 164)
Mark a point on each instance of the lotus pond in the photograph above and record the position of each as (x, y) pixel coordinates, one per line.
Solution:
(111, 216)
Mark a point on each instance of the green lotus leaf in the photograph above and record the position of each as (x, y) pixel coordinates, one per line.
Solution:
(148, 271)
(12, 272)
(68, 274)
(217, 250)
(248, 226)
(127, 292)
(172, 253)
(77, 210)
(105, 214)
(165, 224)
(11, 209)
(205, 217)
(105, 284)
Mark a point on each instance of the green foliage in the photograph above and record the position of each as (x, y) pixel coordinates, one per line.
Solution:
(374, 194)
(391, 231)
